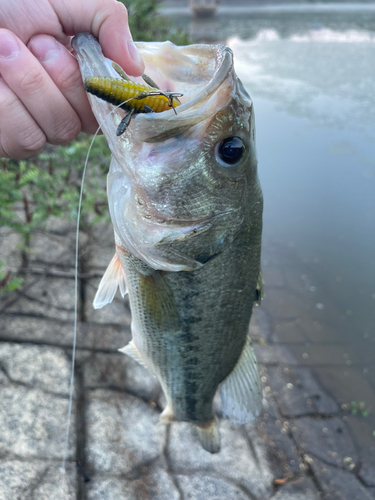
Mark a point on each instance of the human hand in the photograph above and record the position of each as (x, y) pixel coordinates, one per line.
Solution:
(42, 98)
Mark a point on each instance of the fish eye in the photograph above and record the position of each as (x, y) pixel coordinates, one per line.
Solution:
(230, 151)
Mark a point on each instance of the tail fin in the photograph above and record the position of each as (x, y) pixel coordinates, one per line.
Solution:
(209, 436)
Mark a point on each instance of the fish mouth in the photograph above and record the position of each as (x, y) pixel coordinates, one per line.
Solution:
(197, 71)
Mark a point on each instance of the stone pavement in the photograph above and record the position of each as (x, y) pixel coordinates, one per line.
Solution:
(300, 448)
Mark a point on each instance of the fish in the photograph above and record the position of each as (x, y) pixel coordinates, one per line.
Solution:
(186, 206)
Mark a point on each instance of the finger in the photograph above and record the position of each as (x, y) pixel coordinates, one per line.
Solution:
(25, 18)
(108, 21)
(20, 135)
(31, 83)
(63, 69)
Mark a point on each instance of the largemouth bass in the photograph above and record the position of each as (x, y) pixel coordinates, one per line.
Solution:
(186, 206)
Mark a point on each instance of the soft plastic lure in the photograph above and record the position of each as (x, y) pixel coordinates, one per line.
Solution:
(132, 96)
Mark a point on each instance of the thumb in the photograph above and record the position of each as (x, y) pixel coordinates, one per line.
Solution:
(108, 21)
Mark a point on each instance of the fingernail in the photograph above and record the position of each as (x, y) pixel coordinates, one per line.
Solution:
(134, 54)
(9, 47)
(44, 47)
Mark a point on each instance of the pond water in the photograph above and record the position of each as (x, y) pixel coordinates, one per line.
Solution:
(311, 75)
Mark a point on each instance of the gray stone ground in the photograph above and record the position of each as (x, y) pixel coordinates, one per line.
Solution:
(301, 448)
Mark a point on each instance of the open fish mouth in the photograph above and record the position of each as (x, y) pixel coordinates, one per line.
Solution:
(196, 71)
(169, 198)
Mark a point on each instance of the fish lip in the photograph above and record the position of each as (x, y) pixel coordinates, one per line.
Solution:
(188, 224)
(89, 53)
(223, 65)
(158, 127)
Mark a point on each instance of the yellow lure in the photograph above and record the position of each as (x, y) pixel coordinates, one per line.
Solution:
(116, 91)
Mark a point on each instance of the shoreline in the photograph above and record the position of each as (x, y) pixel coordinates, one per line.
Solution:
(176, 9)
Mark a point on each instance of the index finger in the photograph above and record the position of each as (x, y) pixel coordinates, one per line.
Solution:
(108, 21)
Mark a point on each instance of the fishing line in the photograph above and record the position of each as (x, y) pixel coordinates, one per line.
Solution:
(71, 383)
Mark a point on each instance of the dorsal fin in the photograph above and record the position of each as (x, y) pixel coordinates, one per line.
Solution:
(113, 278)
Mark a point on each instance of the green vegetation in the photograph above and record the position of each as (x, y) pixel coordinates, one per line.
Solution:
(33, 190)
(48, 185)
(147, 25)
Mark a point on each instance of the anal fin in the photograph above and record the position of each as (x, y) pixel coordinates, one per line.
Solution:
(113, 278)
(241, 391)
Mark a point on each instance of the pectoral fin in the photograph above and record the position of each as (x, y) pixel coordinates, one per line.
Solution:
(241, 392)
(113, 278)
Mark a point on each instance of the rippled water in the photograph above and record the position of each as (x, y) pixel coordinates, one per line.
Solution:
(312, 79)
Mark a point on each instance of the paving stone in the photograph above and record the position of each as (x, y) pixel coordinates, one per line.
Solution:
(111, 489)
(235, 462)
(103, 337)
(355, 388)
(16, 478)
(119, 371)
(57, 485)
(260, 325)
(269, 407)
(362, 430)
(315, 330)
(274, 355)
(122, 432)
(60, 225)
(282, 453)
(367, 474)
(305, 329)
(201, 486)
(300, 489)
(36, 480)
(3, 378)
(297, 393)
(102, 246)
(42, 367)
(10, 255)
(326, 439)
(54, 249)
(89, 335)
(48, 296)
(337, 484)
(152, 483)
(118, 312)
(32, 423)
